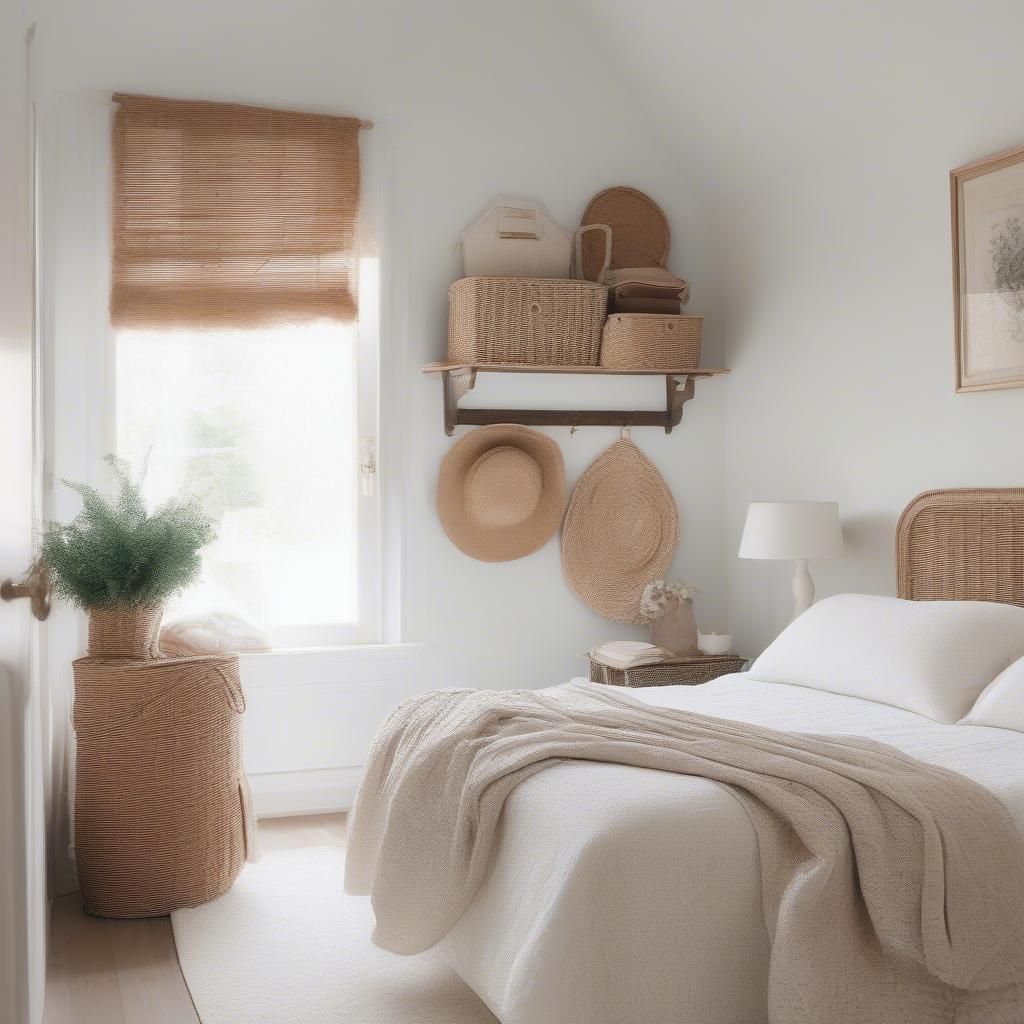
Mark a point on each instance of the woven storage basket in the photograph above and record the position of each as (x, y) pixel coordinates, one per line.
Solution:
(640, 340)
(163, 817)
(124, 633)
(536, 321)
(685, 671)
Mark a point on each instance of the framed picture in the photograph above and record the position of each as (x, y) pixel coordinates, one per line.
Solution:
(988, 271)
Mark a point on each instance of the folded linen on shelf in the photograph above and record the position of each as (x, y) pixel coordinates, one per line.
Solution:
(646, 290)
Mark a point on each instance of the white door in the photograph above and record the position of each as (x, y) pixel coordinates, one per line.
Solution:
(22, 839)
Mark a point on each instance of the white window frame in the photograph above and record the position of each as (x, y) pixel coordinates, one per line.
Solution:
(80, 346)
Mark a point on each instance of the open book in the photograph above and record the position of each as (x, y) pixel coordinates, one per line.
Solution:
(624, 654)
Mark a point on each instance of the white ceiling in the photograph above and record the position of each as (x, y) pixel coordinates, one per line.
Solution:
(744, 89)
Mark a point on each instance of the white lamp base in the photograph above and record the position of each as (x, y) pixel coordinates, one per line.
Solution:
(803, 588)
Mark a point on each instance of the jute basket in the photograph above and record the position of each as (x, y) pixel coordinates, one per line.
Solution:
(619, 533)
(535, 321)
(651, 340)
(163, 815)
(125, 632)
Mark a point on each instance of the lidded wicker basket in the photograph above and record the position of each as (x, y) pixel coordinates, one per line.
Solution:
(533, 321)
(651, 340)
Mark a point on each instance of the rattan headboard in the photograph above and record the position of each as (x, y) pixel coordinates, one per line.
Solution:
(962, 545)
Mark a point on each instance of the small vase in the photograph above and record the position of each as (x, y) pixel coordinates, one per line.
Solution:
(125, 632)
(676, 629)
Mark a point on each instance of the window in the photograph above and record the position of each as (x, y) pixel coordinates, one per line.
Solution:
(241, 370)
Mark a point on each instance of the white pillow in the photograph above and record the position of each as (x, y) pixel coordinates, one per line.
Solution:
(1001, 704)
(930, 657)
(219, 632)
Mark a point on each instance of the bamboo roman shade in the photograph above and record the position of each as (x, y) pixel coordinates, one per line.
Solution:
(232, 216)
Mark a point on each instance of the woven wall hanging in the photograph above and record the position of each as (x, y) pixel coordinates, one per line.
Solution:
(620, 532)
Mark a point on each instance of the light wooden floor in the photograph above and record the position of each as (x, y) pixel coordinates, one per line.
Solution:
(126, 972)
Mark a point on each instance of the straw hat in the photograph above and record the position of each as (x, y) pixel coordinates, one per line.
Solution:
(501, 492)
(620, 532)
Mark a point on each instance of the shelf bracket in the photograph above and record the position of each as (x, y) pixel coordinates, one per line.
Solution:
(678, 390)
(456, 384)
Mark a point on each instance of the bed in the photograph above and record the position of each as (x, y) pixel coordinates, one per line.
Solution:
(618, 894)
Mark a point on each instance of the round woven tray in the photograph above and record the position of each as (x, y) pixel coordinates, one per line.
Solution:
(640, 234)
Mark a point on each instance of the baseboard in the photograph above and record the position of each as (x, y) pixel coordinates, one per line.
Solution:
(321, 791)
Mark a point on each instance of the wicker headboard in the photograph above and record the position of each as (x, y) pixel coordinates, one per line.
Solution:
(962, 545)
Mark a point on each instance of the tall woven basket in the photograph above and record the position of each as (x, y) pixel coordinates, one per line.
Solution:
(163, 815)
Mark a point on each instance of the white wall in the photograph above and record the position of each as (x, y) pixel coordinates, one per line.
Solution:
(840, 323)
(470, 99)
(823, 135)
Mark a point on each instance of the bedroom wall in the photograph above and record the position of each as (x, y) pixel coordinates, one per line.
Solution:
(826, 133)
(459, 121)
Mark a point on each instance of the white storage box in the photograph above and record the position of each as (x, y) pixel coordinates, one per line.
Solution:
(515, 236)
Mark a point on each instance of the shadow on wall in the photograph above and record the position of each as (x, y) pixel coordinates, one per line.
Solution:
(868, 565)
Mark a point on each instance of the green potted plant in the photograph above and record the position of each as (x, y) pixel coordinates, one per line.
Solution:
(120, 562)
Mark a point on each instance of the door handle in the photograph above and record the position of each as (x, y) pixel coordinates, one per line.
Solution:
(35, 586)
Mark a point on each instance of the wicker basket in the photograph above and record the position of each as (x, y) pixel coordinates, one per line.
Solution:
(638, 340)
(125, 633)
(678, 672)
(163, 816)
(535, 321)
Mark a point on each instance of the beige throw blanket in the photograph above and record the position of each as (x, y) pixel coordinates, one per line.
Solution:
(893, 890)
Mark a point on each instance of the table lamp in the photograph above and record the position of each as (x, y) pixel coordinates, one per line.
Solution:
(797, 530)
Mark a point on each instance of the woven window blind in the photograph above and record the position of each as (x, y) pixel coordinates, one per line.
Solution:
(232, 216)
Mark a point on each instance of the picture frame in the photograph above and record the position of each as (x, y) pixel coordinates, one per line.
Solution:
(987, 204)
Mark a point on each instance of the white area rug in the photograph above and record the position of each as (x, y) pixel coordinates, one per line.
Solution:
(286, 946)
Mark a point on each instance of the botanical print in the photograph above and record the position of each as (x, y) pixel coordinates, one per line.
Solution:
(990, 254)
(1007, 247)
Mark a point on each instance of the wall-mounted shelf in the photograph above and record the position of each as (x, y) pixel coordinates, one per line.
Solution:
(458, 378)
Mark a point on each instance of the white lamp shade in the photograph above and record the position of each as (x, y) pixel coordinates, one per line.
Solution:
(791, 530)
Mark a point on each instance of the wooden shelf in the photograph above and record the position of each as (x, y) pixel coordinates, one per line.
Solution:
(459, 378)
(454, 367)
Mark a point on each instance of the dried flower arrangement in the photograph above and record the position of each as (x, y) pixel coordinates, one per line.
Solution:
(660, 595)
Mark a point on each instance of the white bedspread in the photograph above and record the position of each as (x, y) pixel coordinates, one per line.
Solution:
(620, 895)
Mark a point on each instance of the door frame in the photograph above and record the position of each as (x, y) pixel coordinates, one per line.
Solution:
(23, 860)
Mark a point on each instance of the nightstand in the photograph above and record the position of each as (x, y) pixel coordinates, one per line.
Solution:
(701, 668)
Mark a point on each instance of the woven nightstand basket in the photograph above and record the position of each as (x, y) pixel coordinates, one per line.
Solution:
(679, 672)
